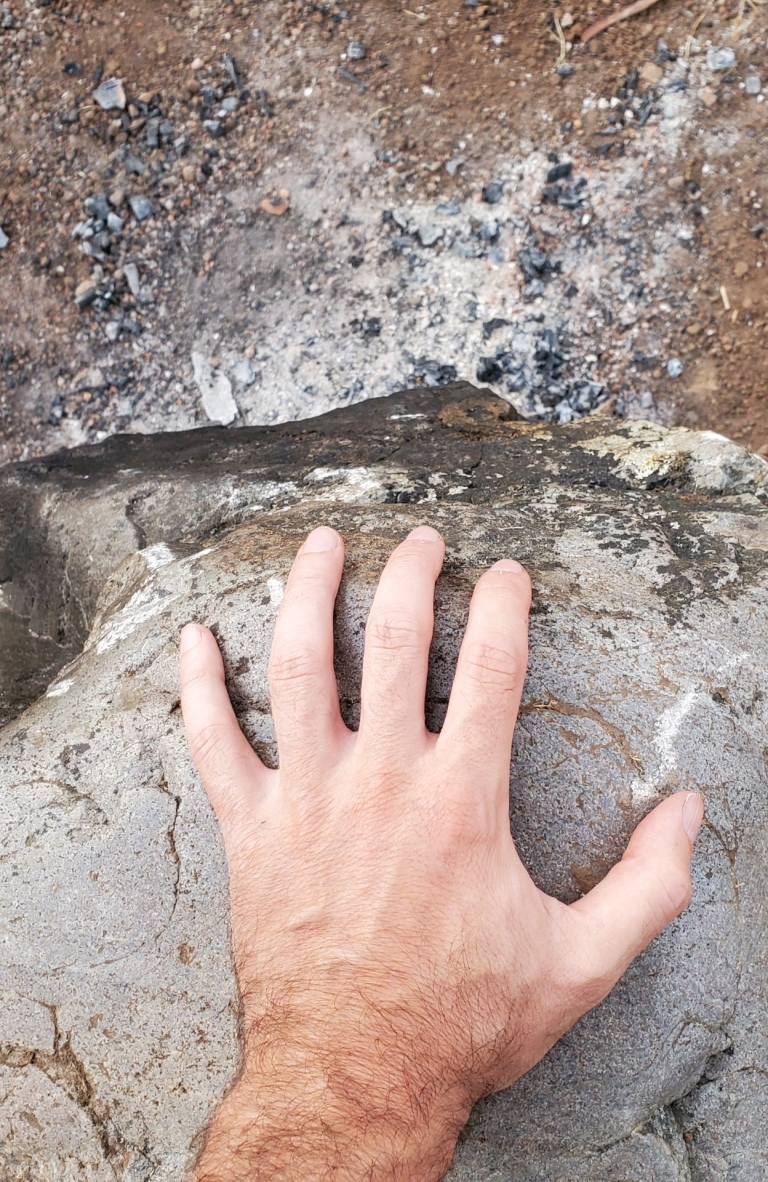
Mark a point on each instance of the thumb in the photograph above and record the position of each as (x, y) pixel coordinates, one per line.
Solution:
(645, 891)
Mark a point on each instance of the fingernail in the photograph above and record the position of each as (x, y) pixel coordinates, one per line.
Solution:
(693, 815)
(321, 539)
(191, 634)
(508, 564)
(424, 533)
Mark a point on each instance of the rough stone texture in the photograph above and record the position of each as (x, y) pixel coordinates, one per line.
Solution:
(648, 551)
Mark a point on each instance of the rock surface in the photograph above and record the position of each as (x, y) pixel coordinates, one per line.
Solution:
(649, 553)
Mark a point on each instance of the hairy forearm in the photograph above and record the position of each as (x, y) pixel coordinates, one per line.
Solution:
(339, 1110)
(265, 1132)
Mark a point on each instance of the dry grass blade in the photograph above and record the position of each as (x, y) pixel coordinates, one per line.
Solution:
(615, 17)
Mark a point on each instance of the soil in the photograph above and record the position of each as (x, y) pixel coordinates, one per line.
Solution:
(313, 237)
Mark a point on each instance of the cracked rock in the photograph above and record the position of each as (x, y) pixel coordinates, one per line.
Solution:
(648, 550)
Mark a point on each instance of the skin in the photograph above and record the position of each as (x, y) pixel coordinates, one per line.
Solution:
(395, 960)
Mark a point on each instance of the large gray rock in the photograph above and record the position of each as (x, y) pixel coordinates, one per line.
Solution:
(648, 551)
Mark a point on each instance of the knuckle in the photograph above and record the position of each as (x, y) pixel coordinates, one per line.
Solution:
(495, 664)
(292, 667)
(208, 744)
(676, 884)
(394, 632)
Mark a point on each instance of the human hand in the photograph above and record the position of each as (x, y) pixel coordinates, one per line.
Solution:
(395, 960)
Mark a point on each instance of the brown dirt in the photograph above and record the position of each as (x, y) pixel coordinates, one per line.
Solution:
(497, 97)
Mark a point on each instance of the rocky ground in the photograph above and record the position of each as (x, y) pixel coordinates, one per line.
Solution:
(253, 211)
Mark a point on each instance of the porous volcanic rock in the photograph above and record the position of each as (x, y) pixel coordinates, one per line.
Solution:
(648, 551)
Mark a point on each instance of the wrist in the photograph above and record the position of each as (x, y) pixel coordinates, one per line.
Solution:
(321, 1108)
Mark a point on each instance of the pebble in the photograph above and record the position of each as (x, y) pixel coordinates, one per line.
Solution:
(675, 367)
(448, 209)
(492, 193)
(215, 390)
(110, 95)
(131, 272)
(753, 85)
(4, 239)
(356, 51)
(565, 69)
(566, 21)
(89, 379)
(117, 198)
(430, 235)
(112, 331)
(651, 73)
(114, 223)
(243, 372)
(189, 172)
(141, 207)
(721, 57)
(85, 293)
(708, 97)
(73, 69)
(97, 206)
(214, 127)
(453, 166)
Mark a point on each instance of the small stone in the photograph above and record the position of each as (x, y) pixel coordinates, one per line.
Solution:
(243, 372)
(566, 21)
(708, 97)
(753, 85)
(4, 239)
(721, 58)
(449, 209)
(197, 64)
(189, 172)
(757, 229)
(560, 172)
(141, 207)
(97, 206)
(492, 193)
(114, 223)
(356, 51)
(498, 39)
(565, 69)
(85, 293)
(112, 331)
(117, 198)
(276, 206)
(133, 166)
(741, 268)
(430, 235)
(676, 183)
(675, 367)
(110, 95)
(214, 127)
(453, 166)
(89, 379)
(131, 272)
(230, 104)
(651, 73)
(73, 69)
(216, 391)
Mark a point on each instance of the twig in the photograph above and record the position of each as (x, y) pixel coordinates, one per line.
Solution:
(702, 16)
(724, 297)
(559, 36)
(614, 18)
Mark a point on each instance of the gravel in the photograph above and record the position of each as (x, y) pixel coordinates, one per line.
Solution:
(110, 95)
